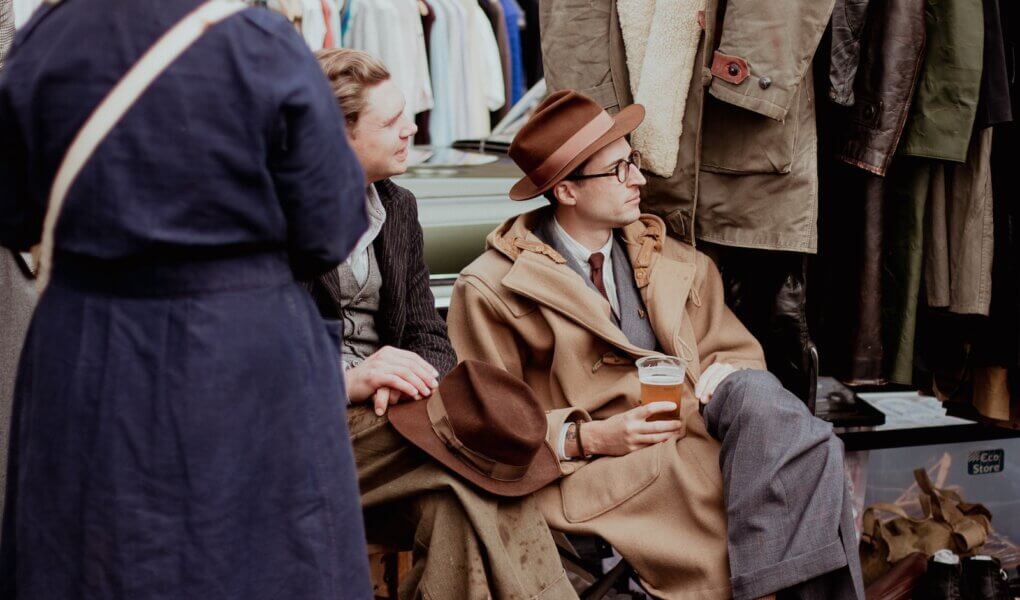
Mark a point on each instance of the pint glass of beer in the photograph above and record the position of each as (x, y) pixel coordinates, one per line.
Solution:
(662, 379)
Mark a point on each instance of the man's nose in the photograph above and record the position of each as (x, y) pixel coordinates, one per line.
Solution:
(410, 130)
(637, 177)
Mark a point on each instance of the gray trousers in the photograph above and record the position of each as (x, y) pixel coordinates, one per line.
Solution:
(790, 519)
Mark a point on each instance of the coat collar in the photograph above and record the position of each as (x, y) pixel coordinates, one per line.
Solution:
(541, 274)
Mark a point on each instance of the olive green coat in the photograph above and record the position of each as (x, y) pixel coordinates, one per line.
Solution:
(746, 172)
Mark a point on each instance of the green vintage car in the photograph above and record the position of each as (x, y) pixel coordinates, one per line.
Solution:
(463, 195)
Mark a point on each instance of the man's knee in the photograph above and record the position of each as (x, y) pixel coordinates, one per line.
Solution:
(754, 395)
(752, 391)
(754, 382)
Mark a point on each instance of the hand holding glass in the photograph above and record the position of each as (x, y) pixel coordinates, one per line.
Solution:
(662, 379)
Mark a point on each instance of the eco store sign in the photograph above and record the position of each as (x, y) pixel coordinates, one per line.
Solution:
(984, 462)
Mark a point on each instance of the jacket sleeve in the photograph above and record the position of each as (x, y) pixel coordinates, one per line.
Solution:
(425, 331)
(720, 335)
(317, 177)
(765, 51)
(479, 330)
(848, 20)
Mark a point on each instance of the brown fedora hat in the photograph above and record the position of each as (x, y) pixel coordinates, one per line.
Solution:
(485, 425)
(566, 129)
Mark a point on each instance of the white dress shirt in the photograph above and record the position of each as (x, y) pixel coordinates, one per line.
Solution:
(581, 254)
(359, 259)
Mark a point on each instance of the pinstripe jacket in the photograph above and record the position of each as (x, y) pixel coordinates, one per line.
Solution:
(6, 29)
(407, 317)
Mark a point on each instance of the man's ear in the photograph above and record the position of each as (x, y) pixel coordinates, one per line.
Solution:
(351, 130)
(566, 193)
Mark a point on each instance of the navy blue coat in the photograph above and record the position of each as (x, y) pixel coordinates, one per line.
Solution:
(179, 428)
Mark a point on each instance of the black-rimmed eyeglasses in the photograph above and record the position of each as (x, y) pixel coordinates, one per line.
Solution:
(621, 170)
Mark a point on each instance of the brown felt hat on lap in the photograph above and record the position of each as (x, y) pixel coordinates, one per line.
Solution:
(566, 130)
(485, 425)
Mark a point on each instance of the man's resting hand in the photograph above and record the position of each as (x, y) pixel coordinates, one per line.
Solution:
(390, 375)
(711, 379)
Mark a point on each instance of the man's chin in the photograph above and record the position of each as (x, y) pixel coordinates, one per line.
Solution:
(632, 215)
(397, 168)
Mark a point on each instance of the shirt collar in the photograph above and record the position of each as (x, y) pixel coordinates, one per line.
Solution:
(577, 249)
(376, 219)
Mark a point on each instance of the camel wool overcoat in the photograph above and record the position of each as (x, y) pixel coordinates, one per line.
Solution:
(520, 306)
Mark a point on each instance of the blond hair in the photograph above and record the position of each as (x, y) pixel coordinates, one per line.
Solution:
(350, 74)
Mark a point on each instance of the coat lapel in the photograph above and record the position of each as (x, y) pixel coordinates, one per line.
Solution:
(545, 232)
(390, 256)
(665, 297)
(633, 316)
(664, 285)
(330, 282)
(557, 287)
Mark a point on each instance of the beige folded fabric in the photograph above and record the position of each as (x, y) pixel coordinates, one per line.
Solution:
(661, 40)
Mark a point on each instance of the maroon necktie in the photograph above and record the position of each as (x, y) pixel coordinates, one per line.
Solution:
(596, 261)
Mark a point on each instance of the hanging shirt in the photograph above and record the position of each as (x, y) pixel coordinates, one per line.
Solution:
(449, 120)
(327, 15)
(514, 17)
(391, 31)
(476, 117)
(490, 73)
(441, 118)
(313, 24)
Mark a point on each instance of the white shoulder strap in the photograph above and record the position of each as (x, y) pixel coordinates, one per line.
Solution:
(121, 98)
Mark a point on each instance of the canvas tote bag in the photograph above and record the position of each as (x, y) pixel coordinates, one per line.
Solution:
(122, 97)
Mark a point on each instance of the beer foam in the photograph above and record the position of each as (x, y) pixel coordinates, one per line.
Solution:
(661, 375)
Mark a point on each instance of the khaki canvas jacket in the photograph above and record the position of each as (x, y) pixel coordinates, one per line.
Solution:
(747, 164)
(521, 307)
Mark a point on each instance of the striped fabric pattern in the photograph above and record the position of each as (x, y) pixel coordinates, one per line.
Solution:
(6, 28)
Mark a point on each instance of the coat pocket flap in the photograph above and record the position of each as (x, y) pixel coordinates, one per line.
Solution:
(599, 487)
(738, 141)
(605, 95)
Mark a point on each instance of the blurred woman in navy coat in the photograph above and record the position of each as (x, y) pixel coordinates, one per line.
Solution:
(179, 426)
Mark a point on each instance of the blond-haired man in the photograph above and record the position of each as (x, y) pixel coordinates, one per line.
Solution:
(467, 543)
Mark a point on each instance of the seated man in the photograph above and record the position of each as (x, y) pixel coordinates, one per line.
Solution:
(467, 543)
(746, 502)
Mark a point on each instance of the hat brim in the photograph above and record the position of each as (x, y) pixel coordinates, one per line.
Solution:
(626, 121)
(411, 420)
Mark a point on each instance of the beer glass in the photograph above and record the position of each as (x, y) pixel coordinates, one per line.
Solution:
(662, 379)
